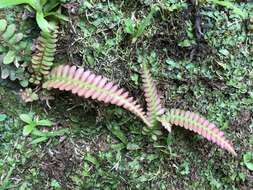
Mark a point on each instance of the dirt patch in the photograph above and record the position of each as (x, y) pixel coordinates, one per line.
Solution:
(59, 163)
(243, 119)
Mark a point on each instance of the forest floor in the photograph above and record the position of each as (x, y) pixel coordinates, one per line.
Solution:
(202, 60)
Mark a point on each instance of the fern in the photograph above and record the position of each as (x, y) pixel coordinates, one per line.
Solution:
(196, 123)
(154, 107)
(88, 85)
(43, 58)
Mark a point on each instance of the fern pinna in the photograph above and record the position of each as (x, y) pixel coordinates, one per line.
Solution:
(43, 58)
(86, 84)
(198, 124)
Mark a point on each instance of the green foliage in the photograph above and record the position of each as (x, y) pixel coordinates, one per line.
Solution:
(42, 8)
(28, 95)
(248, 160)
(137, 29)
(14, 53)
(39, 136)
(228, 4)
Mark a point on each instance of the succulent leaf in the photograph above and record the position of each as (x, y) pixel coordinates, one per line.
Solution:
(198, 124)
(88, 85)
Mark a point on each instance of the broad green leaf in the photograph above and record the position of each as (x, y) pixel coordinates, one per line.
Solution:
(9, 32)
(2, 49)
(50, 5)
(129, 26)
(3, 117)
(8, 3)
(5, 73)
(24, 83)
(42, 22)
(247, 157)
(3, 25)
(12, 75)
(146, 22)
(56, 133)
(231, 6)
(91, 159)
(39, 140)
(117, 132)
(44, 122)
(248, 160)
(9, 57)
(132, 146)
(39, 133)
(16, 38)
(57, 15)
(43, 2)
(26, 118)
(28, 129)
(249, 165)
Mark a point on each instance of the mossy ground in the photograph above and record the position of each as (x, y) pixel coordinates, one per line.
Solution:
(208, 70)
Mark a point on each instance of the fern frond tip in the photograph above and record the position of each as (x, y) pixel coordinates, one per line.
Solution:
(198, 124)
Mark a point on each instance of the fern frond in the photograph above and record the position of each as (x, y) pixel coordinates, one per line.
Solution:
(43, 58)
(154, 107)
(198, 124)
(88, 85)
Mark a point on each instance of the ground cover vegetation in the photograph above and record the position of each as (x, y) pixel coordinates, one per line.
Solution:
(169, 55)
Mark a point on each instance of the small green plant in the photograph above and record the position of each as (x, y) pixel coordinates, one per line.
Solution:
(5, 181)
(137, 29)
(248, 160)
(15, 51)
(228, 4)
(43, 8)
(43, 58)
(28, 95)
(88, 85)
(39, 136)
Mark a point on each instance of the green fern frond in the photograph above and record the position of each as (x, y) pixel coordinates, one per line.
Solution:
(154, 107)
(88, 85)
(198, 124)
(43, 58)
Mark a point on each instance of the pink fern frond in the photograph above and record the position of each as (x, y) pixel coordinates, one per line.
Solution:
(154, 106)
(198, 124)
(88, 85)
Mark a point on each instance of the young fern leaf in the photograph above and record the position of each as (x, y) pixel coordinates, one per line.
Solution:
(43, 58)
(198, 124)
(88, 85)
(154, 107)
